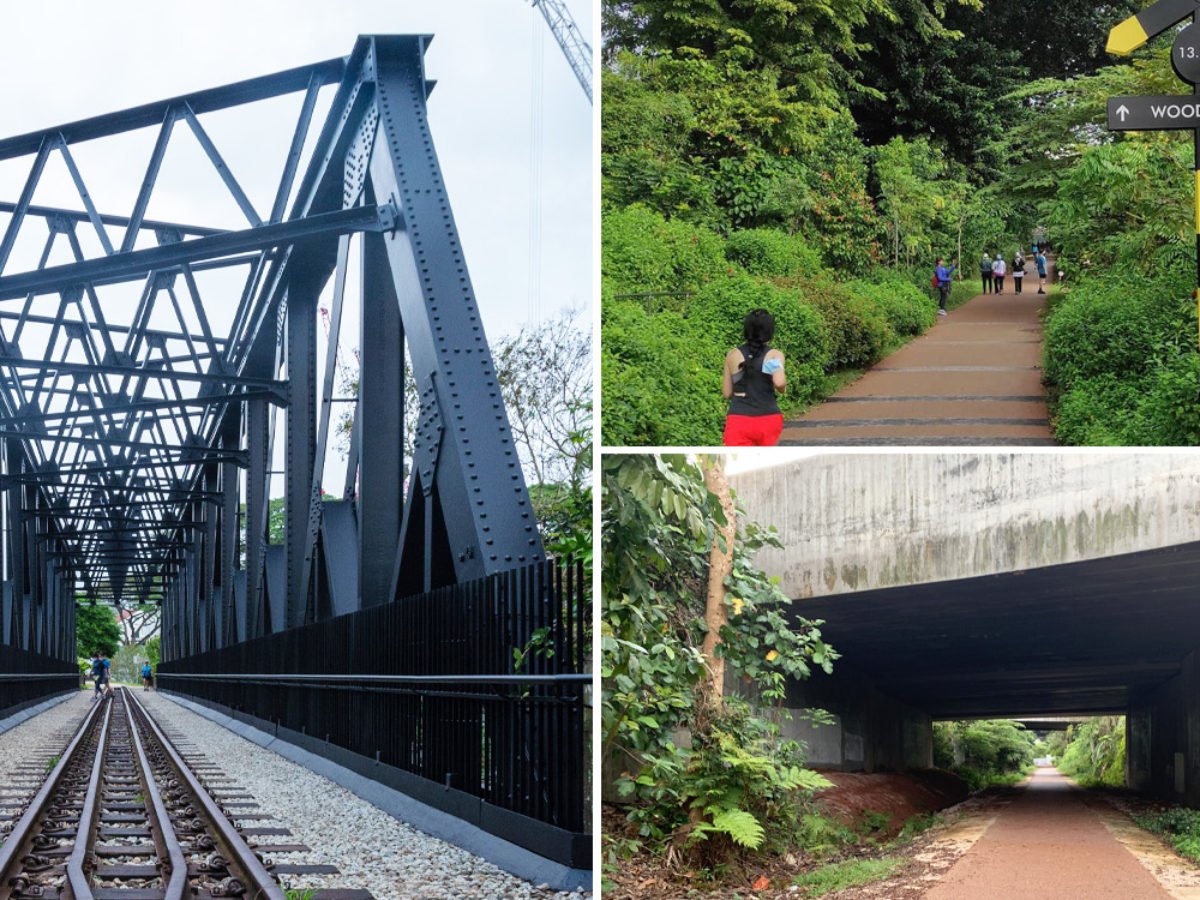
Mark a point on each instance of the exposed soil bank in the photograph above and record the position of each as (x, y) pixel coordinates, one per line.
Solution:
(899, 796)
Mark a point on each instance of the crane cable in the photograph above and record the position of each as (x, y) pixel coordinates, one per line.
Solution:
(536, 130)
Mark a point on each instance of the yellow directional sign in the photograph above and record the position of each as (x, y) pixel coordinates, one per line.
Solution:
(1150, 22)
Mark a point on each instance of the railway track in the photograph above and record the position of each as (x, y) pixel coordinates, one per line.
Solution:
(123, 815)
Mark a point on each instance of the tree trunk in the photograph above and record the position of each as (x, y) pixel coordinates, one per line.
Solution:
(720, 564)
(958, 259)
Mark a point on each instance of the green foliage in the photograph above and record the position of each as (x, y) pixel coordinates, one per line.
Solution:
(846, 874)
(873, 822)
(646, 253)
(1120, 355)
(96, 630)
(857, 330)
(772, 253)
(907, 309)
(919, 200)
(658, 525)
(1093, 753)
(918, 824)
(1112, 211)
(153, 650)
(821, 835)
(1180, 826)
(661, 381)
(984, 752)
(831, 204)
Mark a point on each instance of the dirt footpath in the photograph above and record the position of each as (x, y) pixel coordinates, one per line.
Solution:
(1048, 844)
(975, 377)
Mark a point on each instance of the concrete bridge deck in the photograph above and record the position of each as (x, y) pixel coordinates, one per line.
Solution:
(993, 585)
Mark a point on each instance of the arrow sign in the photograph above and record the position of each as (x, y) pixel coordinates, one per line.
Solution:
(1150, 22)
(1172, 112)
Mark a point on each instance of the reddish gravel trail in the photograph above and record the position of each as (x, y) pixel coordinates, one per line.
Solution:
(1047, 845)
(975, 378)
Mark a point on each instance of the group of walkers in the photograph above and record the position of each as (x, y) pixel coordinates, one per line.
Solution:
(102, 675)
(992, 272)
(754, 371)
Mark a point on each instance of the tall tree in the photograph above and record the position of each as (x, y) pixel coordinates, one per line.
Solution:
(96, 630)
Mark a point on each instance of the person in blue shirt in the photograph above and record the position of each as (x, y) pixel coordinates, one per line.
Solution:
(944, 277)
(1040, 259)
(100, 669)
(147, 674)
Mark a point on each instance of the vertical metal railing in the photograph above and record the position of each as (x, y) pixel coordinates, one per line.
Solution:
(27, 677)
(479, 687)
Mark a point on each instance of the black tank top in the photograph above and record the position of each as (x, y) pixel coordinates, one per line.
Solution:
(753, 392)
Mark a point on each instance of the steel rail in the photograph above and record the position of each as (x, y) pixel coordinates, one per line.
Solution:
(14, 848)
(262, 884)
(76, 877)
(177, 885)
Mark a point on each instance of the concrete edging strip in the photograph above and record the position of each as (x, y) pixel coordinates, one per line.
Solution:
(8, 723)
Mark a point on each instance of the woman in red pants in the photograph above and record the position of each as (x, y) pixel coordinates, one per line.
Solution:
(753, 375)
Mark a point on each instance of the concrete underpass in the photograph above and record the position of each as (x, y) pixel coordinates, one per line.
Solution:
(996, 585)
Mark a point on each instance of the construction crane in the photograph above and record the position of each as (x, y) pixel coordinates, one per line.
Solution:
(574, 47)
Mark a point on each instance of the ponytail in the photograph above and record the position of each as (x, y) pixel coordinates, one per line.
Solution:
(758, 328)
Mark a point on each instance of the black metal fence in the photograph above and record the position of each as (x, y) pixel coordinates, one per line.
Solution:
(471, 698)
(26, 678)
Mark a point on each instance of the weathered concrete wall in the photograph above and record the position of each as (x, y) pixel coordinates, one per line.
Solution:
(1162, 738)
(871, 731)
(852, 522)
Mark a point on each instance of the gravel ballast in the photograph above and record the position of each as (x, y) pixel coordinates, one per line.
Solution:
(50, 730)
(373, 850)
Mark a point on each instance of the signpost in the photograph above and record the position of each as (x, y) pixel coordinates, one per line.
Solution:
(1171, 112)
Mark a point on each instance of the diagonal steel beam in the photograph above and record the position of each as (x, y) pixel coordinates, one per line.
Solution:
(148, 114)
(135, 264)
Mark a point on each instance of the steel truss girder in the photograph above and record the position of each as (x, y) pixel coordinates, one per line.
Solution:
(136, 264)
(186, 518)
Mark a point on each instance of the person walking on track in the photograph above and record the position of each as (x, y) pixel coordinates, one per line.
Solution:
(985, 272)
(100, 668)
(1039, 259)
(999, 270)
(944, 279)
(753, 375)
(1018, 272)
(147, 674)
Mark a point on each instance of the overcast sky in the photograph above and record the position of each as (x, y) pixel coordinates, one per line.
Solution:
(65, 61)
(70, 60)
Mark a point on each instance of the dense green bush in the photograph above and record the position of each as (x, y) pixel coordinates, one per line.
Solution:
(661, 382)
(1092, 752)
(1096, 411)
(1180, 826)
(715, 315)
(774, 254)
(985, 752)
(644, 252)
(858, 330)
(1113, 325)
(1120, 355)
(908, 309)
(1167, 413)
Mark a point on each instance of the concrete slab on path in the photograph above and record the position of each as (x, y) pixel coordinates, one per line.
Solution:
(975, 378)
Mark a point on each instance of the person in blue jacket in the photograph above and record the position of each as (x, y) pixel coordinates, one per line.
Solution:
(944, 278)
(147, 674)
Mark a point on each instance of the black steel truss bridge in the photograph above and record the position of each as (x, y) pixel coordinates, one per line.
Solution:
(161, 380)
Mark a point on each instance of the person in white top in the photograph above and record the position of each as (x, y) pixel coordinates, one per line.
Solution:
(999, 270)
